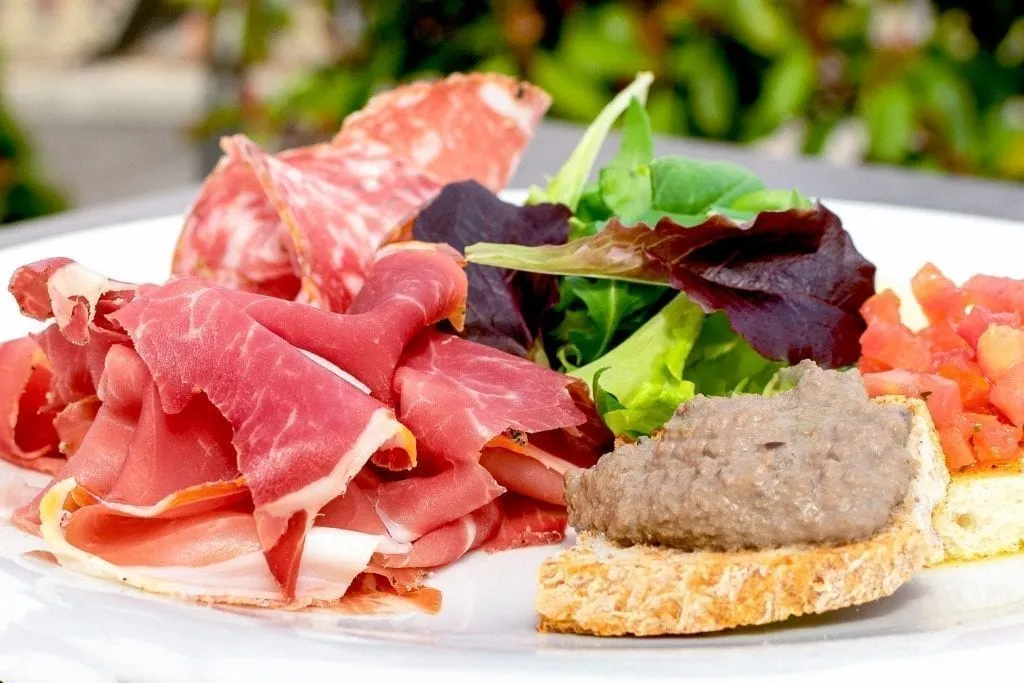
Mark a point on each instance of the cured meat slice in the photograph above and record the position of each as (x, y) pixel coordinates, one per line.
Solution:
(438, 124)
(27, 436)
(388, 161)
(283, 408)
(411, 286)
(580, 444)
(72, 423)
(234, 236)
(77, 368)
(66, 291)
(414, 506)
(526, 522)
(277, 225)
(448, 543)
(456, 395)
(526, 469)
(334, 229)
(105, 446)
(211, 557)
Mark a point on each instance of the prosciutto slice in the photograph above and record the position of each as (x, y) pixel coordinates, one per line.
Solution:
(456, 396)
(69, 293)
(411, 286)
(27, 437)
(436, 123)
(448, 543)
(282, 407)
(215, 556)
(526, 522)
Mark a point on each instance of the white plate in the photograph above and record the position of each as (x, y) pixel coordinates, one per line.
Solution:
(55, 625)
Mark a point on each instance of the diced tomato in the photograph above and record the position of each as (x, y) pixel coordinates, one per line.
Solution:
(998, 294)
(956, 446)
(895, 346)
(1008, 395)
(892, 383)
(940, 299)
(1000, 348)
(869, 365)
(942, 395)
(974, 387)
(882, 307)
(969, 358)
(979, 319)
(945, 343)
(943, 398)
(994, 441)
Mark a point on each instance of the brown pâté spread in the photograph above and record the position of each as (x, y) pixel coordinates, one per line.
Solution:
(818, 464)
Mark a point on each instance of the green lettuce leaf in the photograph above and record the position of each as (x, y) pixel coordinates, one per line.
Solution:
(625, 184)
(567, 185)
(723, 363)
(639, 384)
(596, 313)
(688, 186)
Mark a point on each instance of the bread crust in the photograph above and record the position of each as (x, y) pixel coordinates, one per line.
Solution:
(600, 588)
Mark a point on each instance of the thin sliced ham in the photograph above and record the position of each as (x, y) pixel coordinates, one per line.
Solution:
(410, 286)
(414, 506)
(283, 408)
(456, 395)
(104, 448)
(528, 471)
(73, 422)
(435, 124)
(213, 557)
(61, 289)
(27, 436)
(527, 522)
(448, 543)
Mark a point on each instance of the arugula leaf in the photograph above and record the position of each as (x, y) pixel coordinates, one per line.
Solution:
(687, 186)
(589, 331)
(791, 282)
(566, 186)
(639, 384)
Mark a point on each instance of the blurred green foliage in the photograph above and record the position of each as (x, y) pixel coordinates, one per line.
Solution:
(23, 194)
(934, 85)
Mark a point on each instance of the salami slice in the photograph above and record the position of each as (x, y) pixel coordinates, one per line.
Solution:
(464, 127)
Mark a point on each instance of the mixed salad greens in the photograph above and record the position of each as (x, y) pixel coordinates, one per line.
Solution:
(663, 278)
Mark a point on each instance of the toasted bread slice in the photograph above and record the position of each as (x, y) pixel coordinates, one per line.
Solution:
(600, 588)
(983, 514)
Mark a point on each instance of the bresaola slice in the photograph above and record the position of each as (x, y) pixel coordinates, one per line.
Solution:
(790, 282)
(505, 308)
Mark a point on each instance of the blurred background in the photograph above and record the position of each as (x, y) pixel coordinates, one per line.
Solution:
(105, 99)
